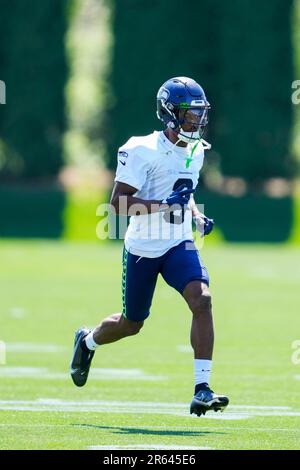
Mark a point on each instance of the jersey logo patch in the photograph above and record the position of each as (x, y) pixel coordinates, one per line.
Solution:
(123, 154)
(123, 163)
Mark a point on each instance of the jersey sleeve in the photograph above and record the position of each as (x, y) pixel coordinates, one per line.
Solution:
(132, 167)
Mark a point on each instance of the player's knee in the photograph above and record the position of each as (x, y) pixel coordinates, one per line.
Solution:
(132, 327)
(200, 303)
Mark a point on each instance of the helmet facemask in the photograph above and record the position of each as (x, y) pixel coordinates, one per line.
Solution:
(191, 123)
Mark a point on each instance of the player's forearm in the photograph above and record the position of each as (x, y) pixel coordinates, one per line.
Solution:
(130, 205)
(193, 207)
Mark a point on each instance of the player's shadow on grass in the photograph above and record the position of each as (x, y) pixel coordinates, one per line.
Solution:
(154, 432)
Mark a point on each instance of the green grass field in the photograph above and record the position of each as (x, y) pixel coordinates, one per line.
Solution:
(140, 388)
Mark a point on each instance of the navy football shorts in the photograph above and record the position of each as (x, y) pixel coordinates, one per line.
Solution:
(178, 266)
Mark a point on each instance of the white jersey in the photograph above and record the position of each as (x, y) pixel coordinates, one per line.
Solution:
(155, 166)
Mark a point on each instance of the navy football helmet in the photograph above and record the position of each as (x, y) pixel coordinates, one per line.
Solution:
(181, 102)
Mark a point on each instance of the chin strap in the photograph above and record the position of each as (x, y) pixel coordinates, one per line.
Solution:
(205, 144)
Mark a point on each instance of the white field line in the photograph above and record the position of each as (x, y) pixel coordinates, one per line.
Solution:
(34, 348)
(17, 312)
(237, 412)
(260, 407)
(43, 373)
(186, 348)
(98, 373)
(95, 374)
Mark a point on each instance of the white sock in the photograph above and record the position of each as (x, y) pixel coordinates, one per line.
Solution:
(89, 341)
(202, 370)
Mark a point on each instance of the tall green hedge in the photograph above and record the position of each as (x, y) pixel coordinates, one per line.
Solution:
(33, 66)
(239, 50)
(255, 110)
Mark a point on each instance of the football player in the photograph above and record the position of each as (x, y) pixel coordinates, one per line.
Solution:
(155, 178)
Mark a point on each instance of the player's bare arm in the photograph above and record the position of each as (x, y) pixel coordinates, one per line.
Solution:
(203, 224)
(123, 200)
(194, 208)
(125, 191)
